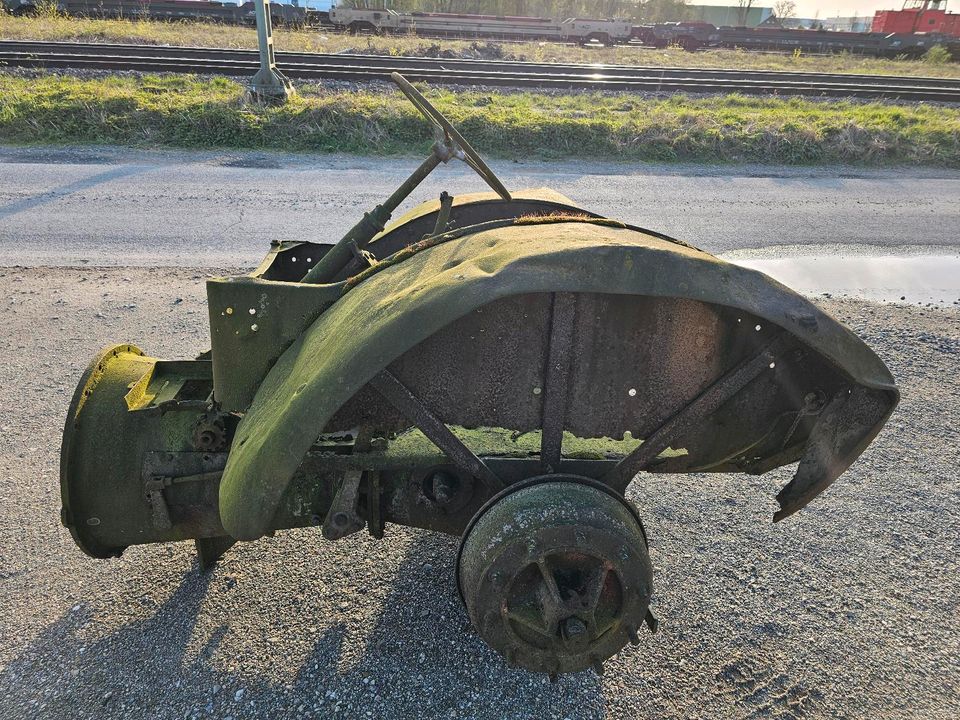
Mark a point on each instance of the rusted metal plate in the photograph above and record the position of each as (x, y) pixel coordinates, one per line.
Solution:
(485, 369)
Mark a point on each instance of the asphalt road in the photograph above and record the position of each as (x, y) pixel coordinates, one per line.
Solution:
(106, 206)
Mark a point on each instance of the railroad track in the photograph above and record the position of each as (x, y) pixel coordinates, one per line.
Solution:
(314, 66)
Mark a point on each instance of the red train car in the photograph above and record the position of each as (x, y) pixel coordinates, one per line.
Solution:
(917, 19)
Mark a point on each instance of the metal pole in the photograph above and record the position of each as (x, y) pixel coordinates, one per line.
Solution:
(268, 84)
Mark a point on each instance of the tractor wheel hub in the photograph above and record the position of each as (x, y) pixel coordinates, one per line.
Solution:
(555, 573)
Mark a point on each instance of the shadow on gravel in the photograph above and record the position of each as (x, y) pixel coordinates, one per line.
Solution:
(62, 673)
(427, 661)
(420, 659)
(86, 183)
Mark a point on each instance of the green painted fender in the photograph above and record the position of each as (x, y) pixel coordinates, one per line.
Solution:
(398, 307)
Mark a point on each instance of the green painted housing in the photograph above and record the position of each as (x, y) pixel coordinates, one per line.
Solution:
(393, 310)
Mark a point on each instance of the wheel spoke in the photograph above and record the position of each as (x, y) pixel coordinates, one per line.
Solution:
(555, 599)
(595, 587)
(528, 622)
(594, 590)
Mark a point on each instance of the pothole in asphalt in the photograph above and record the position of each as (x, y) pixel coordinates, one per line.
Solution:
(883, 278)
(254, 162)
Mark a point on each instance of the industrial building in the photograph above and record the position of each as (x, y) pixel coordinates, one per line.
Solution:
(728, 15)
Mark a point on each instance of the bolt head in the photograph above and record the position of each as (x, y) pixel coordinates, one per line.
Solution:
(574, 630)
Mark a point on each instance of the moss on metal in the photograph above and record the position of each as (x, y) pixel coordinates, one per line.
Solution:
(395, 309)
(503, 442)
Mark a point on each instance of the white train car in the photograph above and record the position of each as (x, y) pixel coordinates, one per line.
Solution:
(581, 30)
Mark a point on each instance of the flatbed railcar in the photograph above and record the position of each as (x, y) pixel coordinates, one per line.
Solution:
(226, 12)
(582, 30)
(694, 36)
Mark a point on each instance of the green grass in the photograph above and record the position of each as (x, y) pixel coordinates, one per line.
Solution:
(153, 32)
(191, 112)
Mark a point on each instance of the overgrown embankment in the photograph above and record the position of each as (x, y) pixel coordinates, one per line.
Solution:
(185, 111)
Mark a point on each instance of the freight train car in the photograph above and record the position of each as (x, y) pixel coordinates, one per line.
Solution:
(823, 41)
(926, 17)
(582, 30)
(226, 12)
(688, 35)
(693, 36)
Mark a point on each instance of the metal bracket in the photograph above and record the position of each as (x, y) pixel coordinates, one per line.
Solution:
(813, 404)
(153, 492)
(211, 549)
(375, 523)
(563, 313)
(342, 517)
(443, 214)
(695, 411)
(364, 257)
(398, 395)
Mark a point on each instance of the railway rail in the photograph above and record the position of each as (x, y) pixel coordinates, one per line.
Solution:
(315, 66)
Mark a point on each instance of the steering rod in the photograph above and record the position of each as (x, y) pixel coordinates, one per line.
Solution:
(373, 222)
(451, 144)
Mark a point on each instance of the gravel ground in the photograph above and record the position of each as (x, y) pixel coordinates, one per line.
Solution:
(848, 609)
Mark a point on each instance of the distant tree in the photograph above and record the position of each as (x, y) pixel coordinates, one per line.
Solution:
(657, 11)
(744, 6)
(784, 9)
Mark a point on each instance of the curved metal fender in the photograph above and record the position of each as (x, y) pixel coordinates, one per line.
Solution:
(395, 309)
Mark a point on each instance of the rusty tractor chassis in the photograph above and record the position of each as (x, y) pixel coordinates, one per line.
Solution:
(496, 366)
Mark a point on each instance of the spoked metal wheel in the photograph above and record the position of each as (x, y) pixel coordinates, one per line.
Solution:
(555, 574)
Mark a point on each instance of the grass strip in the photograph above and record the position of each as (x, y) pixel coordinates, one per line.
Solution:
(194, 112)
